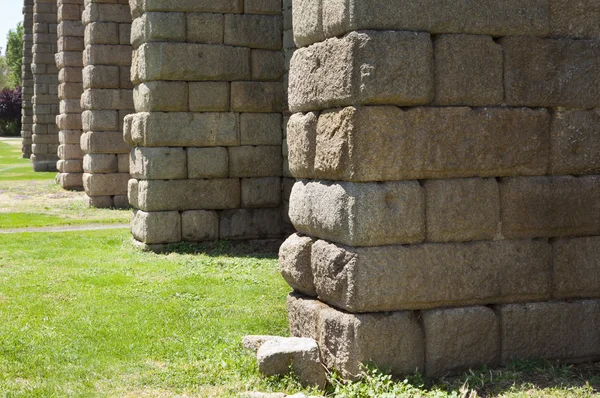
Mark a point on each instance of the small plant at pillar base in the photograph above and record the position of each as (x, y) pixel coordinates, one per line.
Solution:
(10, 111)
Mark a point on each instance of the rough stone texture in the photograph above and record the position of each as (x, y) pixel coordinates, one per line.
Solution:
(576, 267)
(156, 227)
(199, 225)
(253, 342)
(301, 144)
(359, 214)
(536, 207)
(295, 264)
(391, 340)
(468, 71)
(314, 20)
(575, 142)
(250, 224)
(460, 338)
(576, 19)
(387, 143)
(276, 356)
(558, 330)
(462, 210)
(369, 67)
(551, 72)
(393, 278)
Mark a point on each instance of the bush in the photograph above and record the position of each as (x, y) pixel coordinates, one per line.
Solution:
(10, 112)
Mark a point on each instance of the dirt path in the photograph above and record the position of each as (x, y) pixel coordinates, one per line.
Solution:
(66, 228)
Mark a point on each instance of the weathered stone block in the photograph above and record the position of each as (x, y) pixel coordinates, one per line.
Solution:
(254, 31)
(461, 210)
(551, 72)
(184, 129)
(105, 184)
(301, 142)
(256, 97)
(392, 278)
(208, 162)
(190, 62)
(255, 161)
(105, 120)
(557, 330)
(576, 19)
(209, 96)
(158, 26)
(107, 55)
(102, 33)
(295, 264)
(161, 97)
(388, 143)
(333, 73)
(103, 99)
(158, 163)
(104, 142)
(262, 6)
(316, 19)
(576, 267)
(267, 65)
(199, 225)
(390, 340)
(70, 181)
(575, 142)
(213, 194)
(100, 76)
(260, 128)
(359, 214)
(468, 71)
(250, 224)
(156, 227)
(538, 207)
(261, 192)
(460, 338)
(225, 6)
(100, 163)
(205, 28)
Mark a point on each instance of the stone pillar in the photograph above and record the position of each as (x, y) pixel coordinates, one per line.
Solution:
(70, 64)
(288, 50)
(106, 100)
(207, 162)
(448, 162)
(27, 80)
(45, 92)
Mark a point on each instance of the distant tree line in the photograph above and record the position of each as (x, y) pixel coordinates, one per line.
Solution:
(10, 83)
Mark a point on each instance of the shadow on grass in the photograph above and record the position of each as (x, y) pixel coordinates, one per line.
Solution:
(262, 249)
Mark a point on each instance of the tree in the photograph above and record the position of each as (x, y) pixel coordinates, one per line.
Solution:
(14, 55)
(3, 73)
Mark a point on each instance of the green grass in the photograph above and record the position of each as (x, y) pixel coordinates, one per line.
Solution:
(33, 220)
(14, 168)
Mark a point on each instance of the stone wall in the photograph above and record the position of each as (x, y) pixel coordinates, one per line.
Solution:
(69, 61)
(27, 80)
(45, 91)
(106, 100)
(207, 162)
(447, 202)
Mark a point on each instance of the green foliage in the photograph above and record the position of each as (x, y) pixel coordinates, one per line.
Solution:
(4, 73)
(14, 56)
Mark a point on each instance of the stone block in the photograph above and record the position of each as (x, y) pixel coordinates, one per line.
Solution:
(299, 355)
(295, 264)
(70, 181)
(161, 97)
(267, 65)
(156, 227)
(99, 202)
(199, 225)
(575, 141)
(110, 12)
(576, 267)
(557, 330)
(388, 143)
(158, 163)
(100, 76)
(184, 129)
(460, 210)
(457, 339)
(190, 62)
(359, 214)
(316, 19)
(254, 31)
(255, 161)
(576, 19)
(107, 55)
(123, 162)
(468, 71)
(100, 163)
(105, 184)
(132, 193)
(158, 26)
(393, 278)
(209, 96)
(105, 120)
(261, 192)
(260, 128)
(102, 33)
(105, 99)
(70, 166)
(69, 151)
(551, 72)
(104, 142)
(213, 194)
(208, 162)
(68, 121)
(257, 97)
(537, 207)
(225, 6)
(333, 73)
(301, 142)
(250, 224)
(390, 340)
(262, 6)
(205, 28)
